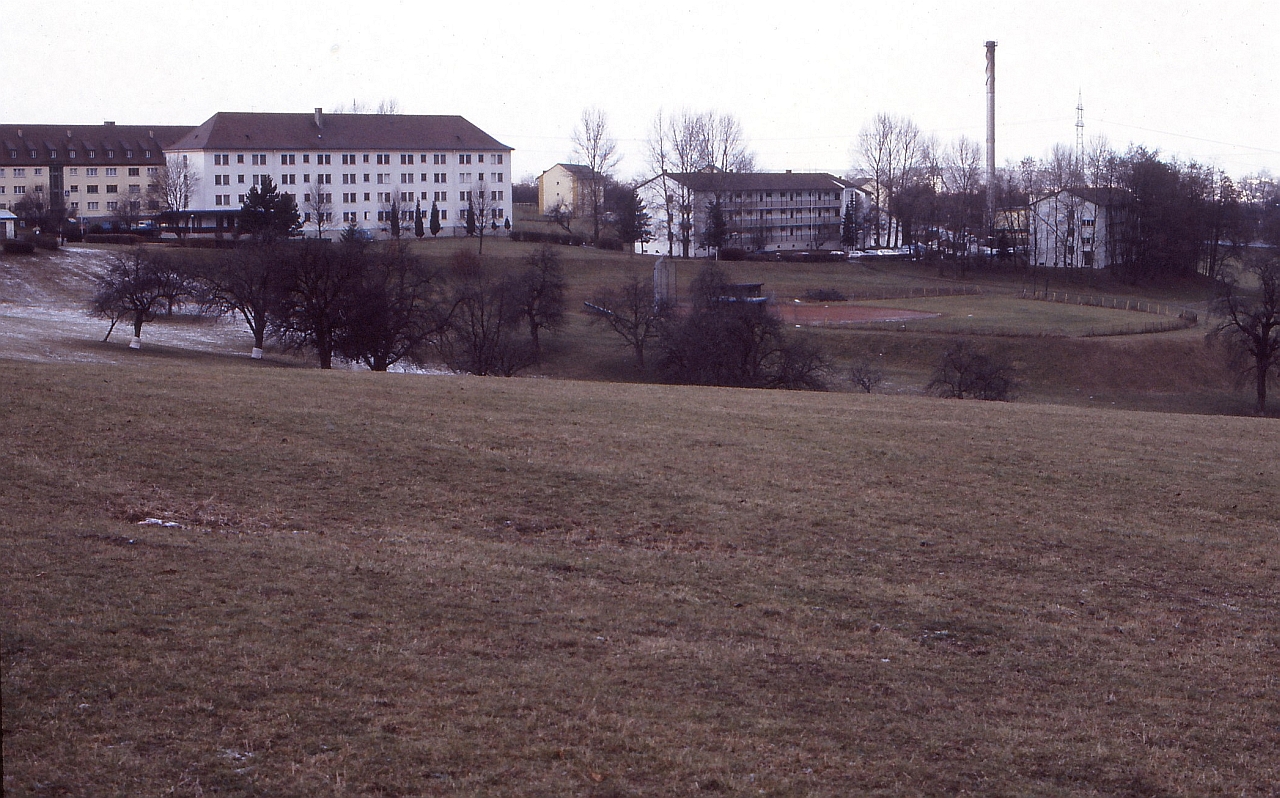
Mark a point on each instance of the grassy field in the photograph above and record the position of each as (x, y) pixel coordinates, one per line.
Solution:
(994, 314)
(411, 585)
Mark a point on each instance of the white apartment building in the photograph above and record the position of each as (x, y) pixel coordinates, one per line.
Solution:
(1082, 228)
(88, 170)
(763, 211)
(352, 168)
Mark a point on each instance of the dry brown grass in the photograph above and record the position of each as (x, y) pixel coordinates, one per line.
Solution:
(405, 585)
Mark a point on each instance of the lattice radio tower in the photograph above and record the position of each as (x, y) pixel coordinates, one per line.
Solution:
(1080, 127)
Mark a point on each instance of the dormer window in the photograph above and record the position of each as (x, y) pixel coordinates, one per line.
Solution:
(33, 153)
(53, 155)
(111, 153)
(128, 153)
(93, 153)
(71, 154)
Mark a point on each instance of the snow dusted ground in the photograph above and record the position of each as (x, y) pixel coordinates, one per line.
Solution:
(44, 315)
(44, 300)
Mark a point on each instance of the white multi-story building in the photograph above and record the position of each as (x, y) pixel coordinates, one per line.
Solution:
(761, 210)
(88, 170)
(352, 168)
(1081, 228)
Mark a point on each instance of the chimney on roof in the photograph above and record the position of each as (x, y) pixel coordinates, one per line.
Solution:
(319, 117)
(788, 171)
(109, 123)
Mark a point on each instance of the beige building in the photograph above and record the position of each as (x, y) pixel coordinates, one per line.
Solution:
(565, 186)
(93, 172)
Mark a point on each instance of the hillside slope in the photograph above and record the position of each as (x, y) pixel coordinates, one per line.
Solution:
(400, 584)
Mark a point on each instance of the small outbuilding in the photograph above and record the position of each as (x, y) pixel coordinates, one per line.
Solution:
(8, 225)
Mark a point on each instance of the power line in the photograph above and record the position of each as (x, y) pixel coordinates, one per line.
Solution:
(1193, 138)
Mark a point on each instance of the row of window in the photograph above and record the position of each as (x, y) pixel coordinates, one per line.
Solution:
(91, 171)
(350, 197)
(71, 154)
(348, 159)
(349, 178)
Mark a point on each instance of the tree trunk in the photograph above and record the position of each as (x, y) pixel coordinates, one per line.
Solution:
(1262, 389)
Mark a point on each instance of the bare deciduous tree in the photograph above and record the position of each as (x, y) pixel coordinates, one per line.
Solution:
(319, 206)
(135, 284)
(687, 142)
(965, 372)
(541, 293)
(597, 150)
(1250, 327)
(632, 311)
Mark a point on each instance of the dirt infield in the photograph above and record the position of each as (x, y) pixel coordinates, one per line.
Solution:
(821, 314)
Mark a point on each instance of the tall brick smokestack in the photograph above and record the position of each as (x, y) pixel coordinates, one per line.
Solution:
(991, 135)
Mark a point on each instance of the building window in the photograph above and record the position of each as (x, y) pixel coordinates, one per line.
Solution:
(424, 177)
(422, 196)
(499, 157)
(93, 206)
(134, 188)
(444, 215)
(498, 177)
(112, 188)
(111, 206)
(128, 153)
(384, 159)
(441, 177)
(21, 172)
(152, 171)
(406, 177)
(134, 171)
(439, 159)
(19, 189)
(239, 157)
(111, 171)
(464, 177)
(91, 189)
(240, 179)
(73, 189)
(288, 159)
(406, 160)
(366, 199)
(464, 158)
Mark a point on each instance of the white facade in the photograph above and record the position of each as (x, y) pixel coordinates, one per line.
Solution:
(770, 211)
(1076, 228)
(352, 168)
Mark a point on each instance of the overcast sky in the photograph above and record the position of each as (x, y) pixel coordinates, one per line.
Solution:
(1196, 79)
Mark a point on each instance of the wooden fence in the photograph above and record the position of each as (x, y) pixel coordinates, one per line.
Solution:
(1119, 303)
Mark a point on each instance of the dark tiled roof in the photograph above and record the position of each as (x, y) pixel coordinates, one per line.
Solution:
(17, 142)
(242, 131)
(761, 181)
(1103, 197)
(575, 169)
